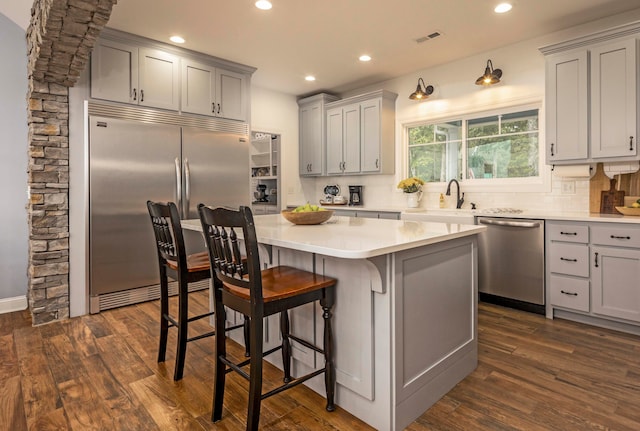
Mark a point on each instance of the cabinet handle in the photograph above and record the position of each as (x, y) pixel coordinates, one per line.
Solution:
(568, 233)
(213, 108)
(218, 109)
(630, 143)
(620, 237)
(135, 94)
(377, 164)
(552, 150)
(569, 293)
(568, 260)
(596, 259)
(142, 95)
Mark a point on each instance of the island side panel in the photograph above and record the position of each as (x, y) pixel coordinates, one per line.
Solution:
(435, 323)
(362, 334)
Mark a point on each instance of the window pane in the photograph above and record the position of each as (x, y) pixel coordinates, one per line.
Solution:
(435, 162)
(421, 135)
(513, 156)
(487, 126)
(518, 122)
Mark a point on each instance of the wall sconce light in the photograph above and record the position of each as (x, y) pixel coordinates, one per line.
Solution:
(491, 76)
(422, 91)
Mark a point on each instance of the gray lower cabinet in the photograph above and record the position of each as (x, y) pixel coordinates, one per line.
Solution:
(594, 269)
(390, 215)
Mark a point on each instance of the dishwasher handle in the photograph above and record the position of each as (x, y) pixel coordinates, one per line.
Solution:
(525, 224)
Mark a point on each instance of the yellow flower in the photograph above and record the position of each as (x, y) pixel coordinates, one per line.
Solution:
(411, 185)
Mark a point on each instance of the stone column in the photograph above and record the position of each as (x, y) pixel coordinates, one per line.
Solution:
(60, 38)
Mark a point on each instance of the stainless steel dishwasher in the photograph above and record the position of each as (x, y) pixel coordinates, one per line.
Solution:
(511, 262)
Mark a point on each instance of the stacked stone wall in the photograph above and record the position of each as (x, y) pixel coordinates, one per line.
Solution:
(60, 38)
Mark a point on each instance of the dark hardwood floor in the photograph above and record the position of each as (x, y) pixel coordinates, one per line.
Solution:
(99, 372)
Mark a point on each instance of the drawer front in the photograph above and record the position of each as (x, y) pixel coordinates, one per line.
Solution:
(617, 235)
(572, 259)
(569, 292)
(568, 232)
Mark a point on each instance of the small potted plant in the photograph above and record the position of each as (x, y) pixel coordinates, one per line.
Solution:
(412, 188)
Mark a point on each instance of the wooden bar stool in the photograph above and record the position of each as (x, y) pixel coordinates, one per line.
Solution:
(174, 263)
(242, 286)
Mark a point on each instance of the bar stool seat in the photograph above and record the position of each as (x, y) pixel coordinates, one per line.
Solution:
(241, 285)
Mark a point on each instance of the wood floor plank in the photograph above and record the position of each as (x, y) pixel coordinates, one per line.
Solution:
(100, 372)
(162, 405)
(12, 416)
(39, 390)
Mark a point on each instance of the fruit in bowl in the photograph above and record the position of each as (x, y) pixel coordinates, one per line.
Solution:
(307, 214)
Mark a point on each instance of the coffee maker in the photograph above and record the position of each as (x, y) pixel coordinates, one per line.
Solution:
(355, 195)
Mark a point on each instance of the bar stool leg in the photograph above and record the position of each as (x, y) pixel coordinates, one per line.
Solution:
(247, 337)
(183, 326)
(221, 352)
(286, 345)
(330, 374)
(255, 381)
(164, 311)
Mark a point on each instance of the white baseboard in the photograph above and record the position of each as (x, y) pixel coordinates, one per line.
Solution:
(17, 303)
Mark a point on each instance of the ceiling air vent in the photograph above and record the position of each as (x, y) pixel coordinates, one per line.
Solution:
(428, 37)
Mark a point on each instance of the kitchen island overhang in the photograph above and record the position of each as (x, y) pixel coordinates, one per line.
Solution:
(405, 319)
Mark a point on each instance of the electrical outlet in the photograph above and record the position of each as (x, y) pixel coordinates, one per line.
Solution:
(568, 187)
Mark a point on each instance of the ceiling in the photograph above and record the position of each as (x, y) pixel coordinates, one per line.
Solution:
(325, 37)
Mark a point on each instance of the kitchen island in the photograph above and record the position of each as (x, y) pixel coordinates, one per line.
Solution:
(405, 319)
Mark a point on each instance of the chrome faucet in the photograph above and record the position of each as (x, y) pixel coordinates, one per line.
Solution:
(459, 199)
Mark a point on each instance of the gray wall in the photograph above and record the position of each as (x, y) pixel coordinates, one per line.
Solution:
(13, 160)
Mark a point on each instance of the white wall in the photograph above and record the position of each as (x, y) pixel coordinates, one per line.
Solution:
(13, 166)
(456, 94)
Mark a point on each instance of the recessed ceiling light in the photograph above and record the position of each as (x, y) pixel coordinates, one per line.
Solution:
(176, 39)
(365, 58)
(264, 4)
(310, 78)
(502, 8)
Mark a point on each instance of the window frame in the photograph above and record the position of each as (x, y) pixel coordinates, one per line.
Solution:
(540, 183)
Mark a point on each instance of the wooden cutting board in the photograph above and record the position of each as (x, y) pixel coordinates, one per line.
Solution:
(611, 198)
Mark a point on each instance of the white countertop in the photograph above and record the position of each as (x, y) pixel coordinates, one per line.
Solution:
(533, 214)
(351, 237)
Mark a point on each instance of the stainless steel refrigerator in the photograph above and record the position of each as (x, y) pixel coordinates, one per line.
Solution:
(131, 162)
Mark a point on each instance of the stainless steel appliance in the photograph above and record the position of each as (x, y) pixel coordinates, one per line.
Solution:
(355, 195)
(131, 162)
(511, 262)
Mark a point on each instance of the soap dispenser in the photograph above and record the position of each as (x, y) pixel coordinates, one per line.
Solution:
(442, 202)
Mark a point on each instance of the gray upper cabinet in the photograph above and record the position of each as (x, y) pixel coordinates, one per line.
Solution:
(128, 74)
(613, 99)
(114, 72)
(131, 69)
(312, 145)
(591, 97)
(159, 79)
(567, 107)
(360, 134)
(212, 91)
(343, 140)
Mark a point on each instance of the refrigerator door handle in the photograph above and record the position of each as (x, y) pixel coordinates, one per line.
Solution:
(187, 188)
(178, 185)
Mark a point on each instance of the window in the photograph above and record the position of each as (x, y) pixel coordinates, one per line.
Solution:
(501, 146)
